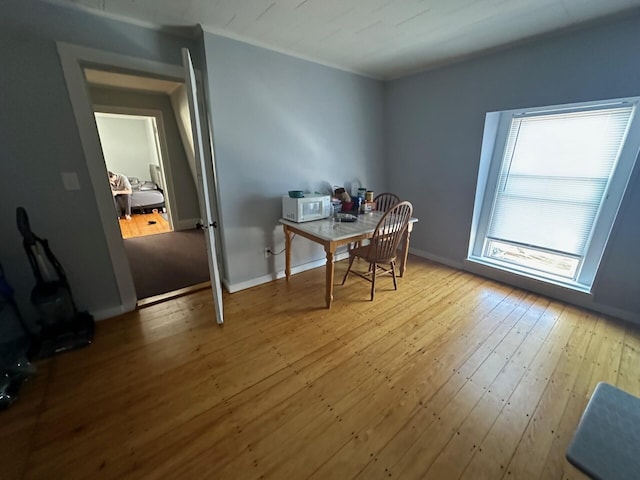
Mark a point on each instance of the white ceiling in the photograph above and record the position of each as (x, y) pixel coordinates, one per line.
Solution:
(378, 38)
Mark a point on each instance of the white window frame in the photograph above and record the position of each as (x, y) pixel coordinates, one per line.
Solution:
(497, 125)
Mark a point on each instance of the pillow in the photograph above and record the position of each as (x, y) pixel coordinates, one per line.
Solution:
(135, 183)
(147, 185)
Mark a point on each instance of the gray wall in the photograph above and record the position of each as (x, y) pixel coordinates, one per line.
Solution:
(39, 140)
(185, 193)
(128, 145)
(280, 124)
(435, 124)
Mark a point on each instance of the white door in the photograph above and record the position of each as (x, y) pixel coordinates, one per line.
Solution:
(205, 183)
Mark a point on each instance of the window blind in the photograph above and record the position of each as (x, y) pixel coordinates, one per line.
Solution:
(554, 175)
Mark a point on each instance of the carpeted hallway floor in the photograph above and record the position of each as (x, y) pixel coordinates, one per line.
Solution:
(168, 261)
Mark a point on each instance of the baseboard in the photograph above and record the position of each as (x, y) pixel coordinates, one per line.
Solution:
(254, 282)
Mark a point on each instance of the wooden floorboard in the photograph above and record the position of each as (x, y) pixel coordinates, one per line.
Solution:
(142, 224)
(451, 376)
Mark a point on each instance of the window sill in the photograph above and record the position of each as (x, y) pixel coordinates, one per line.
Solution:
(507, 271)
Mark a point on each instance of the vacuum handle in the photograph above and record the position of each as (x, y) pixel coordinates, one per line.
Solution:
(22, 219)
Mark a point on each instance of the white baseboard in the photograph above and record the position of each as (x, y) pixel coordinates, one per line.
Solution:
(254, 282)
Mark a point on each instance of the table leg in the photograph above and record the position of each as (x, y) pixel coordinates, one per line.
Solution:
(287, 250)
(329, 280)
(405, 250)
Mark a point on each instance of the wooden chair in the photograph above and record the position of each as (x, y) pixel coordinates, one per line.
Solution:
(383, 246)
(384, 201)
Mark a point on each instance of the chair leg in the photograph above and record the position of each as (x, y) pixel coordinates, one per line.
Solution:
(393, 274)
(373, 280)
(351, 258)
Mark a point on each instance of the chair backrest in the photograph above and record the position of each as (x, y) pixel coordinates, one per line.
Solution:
(384, 201)
(388, 233)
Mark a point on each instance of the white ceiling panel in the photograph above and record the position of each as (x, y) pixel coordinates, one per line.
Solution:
(378, 38)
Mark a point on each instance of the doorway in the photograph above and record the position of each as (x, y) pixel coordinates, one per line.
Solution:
(131, 145)
(139, 135)
(75, 61)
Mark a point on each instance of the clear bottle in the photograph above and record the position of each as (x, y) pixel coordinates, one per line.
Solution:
(362, 192)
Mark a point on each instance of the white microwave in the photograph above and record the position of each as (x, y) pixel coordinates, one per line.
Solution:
(307, 208)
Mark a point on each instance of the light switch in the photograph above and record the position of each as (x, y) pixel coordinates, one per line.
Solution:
(70, 181)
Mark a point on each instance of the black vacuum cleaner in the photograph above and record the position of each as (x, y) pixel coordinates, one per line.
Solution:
(62, 326)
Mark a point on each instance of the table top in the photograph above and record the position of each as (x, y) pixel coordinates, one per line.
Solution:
(326, 229)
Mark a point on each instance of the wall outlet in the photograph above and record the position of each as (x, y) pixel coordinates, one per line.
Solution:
(267, 252)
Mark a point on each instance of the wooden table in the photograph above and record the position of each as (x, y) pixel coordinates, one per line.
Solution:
(331, 236)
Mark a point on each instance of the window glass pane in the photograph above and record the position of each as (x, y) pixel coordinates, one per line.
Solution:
(582, 145)
(555, 264)
(555, 172)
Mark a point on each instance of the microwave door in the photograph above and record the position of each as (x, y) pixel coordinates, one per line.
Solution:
(310, 209)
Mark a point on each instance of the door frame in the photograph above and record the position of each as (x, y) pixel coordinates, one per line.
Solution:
(74, 59)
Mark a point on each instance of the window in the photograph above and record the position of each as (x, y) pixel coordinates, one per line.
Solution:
(553, 184)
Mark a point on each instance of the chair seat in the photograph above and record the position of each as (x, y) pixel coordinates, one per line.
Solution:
(363, 252)
(606, 444)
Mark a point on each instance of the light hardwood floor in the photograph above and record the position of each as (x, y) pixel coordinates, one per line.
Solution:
(142, 224)
(452, 376)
